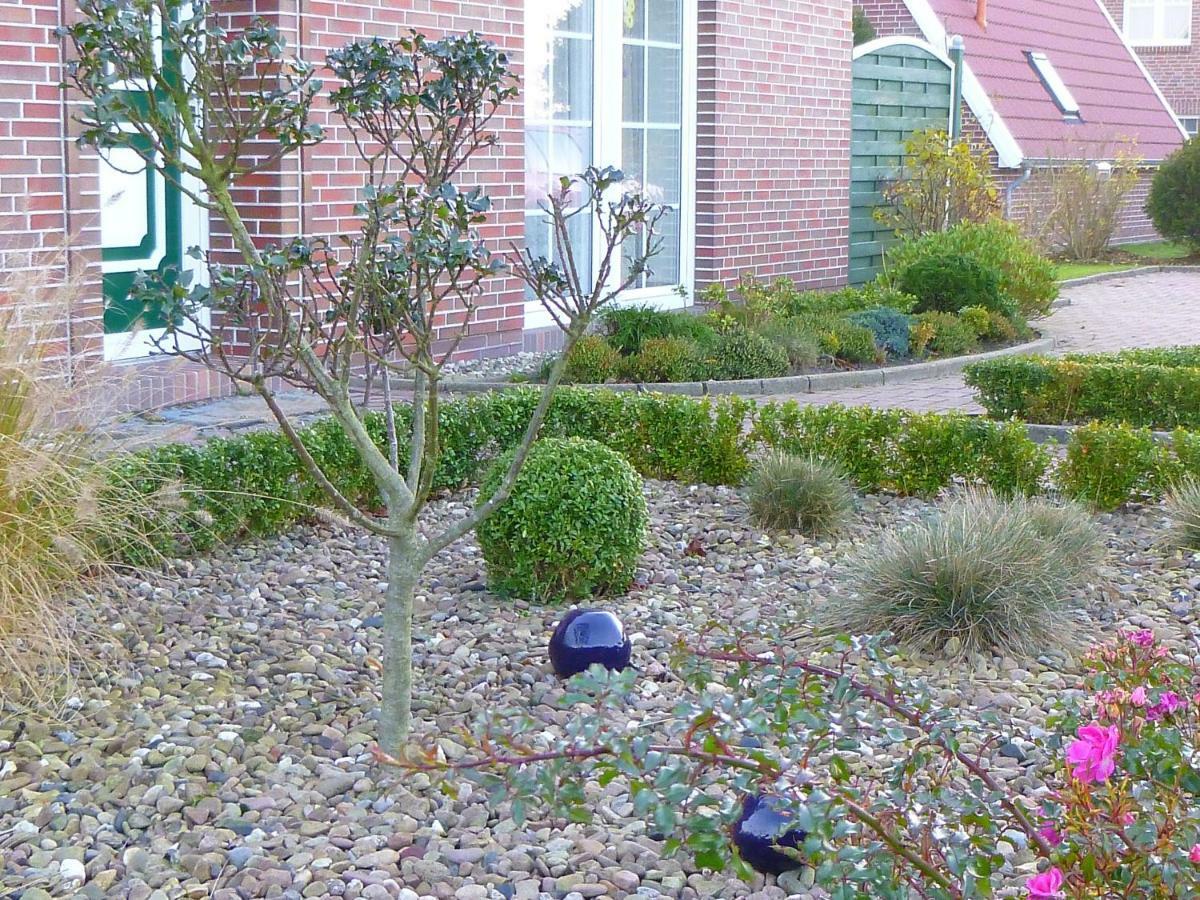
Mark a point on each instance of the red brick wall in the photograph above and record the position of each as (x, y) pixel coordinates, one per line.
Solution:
(890, 18)
(773, 140)
(1176, 69)
(48, 188)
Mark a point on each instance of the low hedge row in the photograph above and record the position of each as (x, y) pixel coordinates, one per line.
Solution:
(1161, 395)
(906, 452)
(255, 485)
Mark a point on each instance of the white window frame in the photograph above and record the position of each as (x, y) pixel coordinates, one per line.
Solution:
(1054, 84)
(607, 127)
(1159, 8)
(1191, 124)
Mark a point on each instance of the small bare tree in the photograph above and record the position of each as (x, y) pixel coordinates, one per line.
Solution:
(1076, 200)
(396, 297)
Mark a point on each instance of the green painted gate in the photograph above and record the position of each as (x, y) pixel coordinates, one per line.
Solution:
(901, 85)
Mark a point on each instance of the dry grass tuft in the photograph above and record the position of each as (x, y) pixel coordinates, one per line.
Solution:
(1183, 508)
(984, 574)
(60, 515)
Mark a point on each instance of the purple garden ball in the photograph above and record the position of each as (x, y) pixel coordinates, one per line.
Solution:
(586, 636)
(760, 829)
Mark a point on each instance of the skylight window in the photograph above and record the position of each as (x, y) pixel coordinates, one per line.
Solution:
(1055, 86)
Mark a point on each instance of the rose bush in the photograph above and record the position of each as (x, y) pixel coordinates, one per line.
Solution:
(1125, 820)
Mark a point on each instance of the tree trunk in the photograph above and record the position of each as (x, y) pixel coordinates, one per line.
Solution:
(395, 718)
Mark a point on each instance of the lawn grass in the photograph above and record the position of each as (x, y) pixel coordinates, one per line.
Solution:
(1067, 271)
(1158, 251)
(1135, 255)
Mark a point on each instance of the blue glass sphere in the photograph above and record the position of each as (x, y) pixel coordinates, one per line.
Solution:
(762, 827)
(586, 636)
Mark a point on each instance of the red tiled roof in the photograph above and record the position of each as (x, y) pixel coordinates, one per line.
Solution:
(1116, 99)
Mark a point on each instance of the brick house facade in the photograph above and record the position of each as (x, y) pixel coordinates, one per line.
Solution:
(1173, 58)
(1008, 110)
(761, 129)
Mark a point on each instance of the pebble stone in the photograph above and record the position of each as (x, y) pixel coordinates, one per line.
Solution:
(258, 779)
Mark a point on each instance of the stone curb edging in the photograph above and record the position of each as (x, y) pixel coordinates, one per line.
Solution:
(788, 384)
(1061, 434)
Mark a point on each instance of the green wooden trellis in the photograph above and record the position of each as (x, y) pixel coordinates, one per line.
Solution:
(901, 85)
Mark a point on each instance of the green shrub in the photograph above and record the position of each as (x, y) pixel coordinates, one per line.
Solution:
(1183, 508)
(573, 527)
(944, 334)
(592, 361)
(889, 327)
(800, 345)
(1026, 276)
(983, 575)
(843, 339)
(1174, 199)
(910, 453)
(628, 327)
(864, 31)
(799, 492)
(978, 319)
(951, 281)
(1107, 466)
(847, 299)
(669, 359)
(1187, 357)
(740, 353)
(1064, 391)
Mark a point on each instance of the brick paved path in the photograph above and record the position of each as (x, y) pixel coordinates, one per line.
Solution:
(1155, 309)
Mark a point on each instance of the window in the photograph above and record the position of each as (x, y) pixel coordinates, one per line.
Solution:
(1158, 22)
(1191, 124)
(578, 114)
(1055, 86)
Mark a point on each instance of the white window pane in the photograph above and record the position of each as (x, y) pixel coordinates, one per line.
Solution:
(664, 265)
(577, 18)
(572, 79)
(635, 18)
(663, 20)
(1139, 23)
(664, 78)
(633, 148)
(1177, 23)
(633, 83)
(662, 165)
(552, 151)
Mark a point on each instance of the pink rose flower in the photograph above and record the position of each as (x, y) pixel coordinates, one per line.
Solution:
(1168, 702)
(1138, 697)
(1046, 886)
(1093, 755)
(1143, 638)
(1194, 856)
(1050, 834)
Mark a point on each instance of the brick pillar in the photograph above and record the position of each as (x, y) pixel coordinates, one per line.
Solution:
(773, 140)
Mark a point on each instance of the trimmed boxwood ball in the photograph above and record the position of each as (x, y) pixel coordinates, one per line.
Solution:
(587, 636)
(760, 829)
(573, 527)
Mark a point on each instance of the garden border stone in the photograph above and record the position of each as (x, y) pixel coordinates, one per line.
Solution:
(788, 384)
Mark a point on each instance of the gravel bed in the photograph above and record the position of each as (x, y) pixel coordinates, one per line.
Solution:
(497, 367)
(219, 743)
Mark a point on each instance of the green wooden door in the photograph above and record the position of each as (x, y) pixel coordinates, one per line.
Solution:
(142, 229)
(900, 86)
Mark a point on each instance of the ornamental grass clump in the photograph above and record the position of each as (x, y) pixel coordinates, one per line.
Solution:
(799, 492)
(1183, 508)
(63, 514)
(983, 574)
